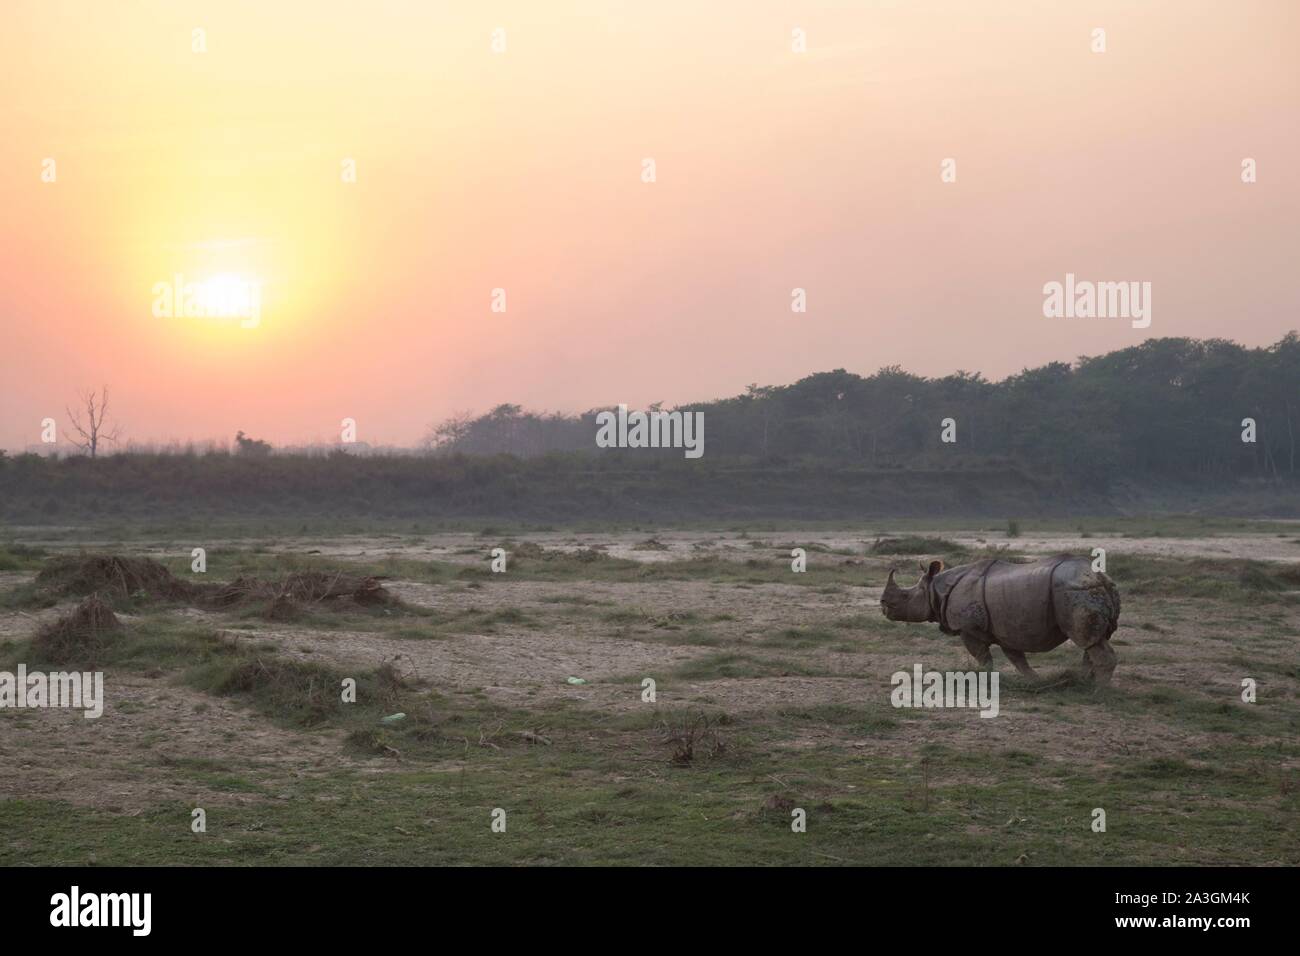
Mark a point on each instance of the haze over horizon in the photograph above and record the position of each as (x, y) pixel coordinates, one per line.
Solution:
(522, 170)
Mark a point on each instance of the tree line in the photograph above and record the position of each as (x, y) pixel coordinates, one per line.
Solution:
(1173, 406)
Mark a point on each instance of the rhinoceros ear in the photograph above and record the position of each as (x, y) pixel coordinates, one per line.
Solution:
(935, 567)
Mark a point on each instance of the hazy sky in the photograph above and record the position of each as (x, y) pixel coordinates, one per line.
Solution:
(523, 170)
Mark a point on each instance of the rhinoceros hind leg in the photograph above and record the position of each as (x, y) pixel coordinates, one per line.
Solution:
(1089, 617)
(1022, 665)
(978, 646)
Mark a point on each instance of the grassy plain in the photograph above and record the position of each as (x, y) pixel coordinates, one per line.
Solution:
(771, 695)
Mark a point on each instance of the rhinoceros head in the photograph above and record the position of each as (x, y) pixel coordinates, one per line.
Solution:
(909, 604)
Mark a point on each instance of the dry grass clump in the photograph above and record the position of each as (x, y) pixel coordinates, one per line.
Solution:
(118, 580)
(689, 735)
(112, 576)
(556, 558)
(81, 636)
(915, 544)
(302, 693)
(287, 598)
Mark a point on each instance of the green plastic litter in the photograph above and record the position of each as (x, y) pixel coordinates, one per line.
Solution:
(575, 680)
(392, 718)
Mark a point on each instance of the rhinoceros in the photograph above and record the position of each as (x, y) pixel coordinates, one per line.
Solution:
(1019, 607)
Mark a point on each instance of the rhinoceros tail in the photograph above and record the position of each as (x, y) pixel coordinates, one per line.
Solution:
(1112, 598)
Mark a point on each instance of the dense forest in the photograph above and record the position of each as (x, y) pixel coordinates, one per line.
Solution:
(1154, 427)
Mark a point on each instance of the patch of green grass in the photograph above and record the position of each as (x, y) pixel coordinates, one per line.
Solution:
(800, 638)
(1160, 769)
(508, 615)
(578, 600)
(291, 691)
(21, 557)
(1233, 581)
(416, 632)
(913, 545)
(26, 596)
(213, 773)
(672, 620)
(678, 637)
(854, 719)
(731, 665)
(866, 622)
(152, 643)
(583, 802)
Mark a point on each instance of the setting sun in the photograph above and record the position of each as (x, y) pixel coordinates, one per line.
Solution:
(222, 296)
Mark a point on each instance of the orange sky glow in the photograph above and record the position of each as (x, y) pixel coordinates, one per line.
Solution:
(522, 170)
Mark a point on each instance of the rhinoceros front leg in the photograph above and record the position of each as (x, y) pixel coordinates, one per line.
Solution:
(1022, 665)
(978, 646)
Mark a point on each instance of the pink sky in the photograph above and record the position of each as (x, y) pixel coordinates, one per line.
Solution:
(522, 170)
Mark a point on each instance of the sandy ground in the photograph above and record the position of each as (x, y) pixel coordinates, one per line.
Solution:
(145, 748)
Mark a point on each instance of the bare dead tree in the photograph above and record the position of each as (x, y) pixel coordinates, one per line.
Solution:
(94, 429)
